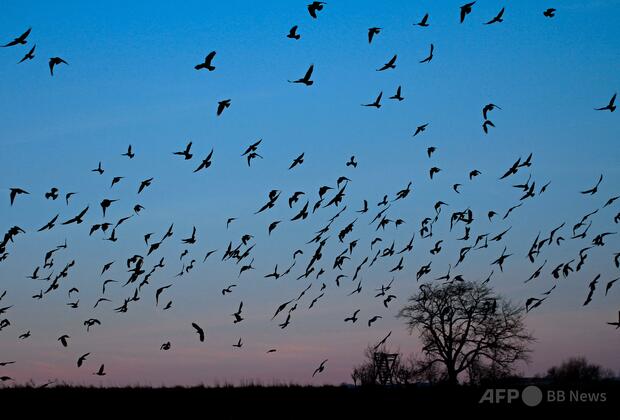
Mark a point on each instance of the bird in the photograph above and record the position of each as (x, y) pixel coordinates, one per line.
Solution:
(430, 55)
(498, 18)
(374, 319)
(321, 368)
(20, 40)
(239, 344)
(292, 33)
(594, 189)
(617, 323)
(237, 315)
(273, 225)
(14, 192)
(105, 204)
(68, 196)
(487, 108)
(610, 284)
(54, 61)
(397, 96)
(144, 184)
(390, 64)
(29, 55)
(352, 162)
(222, 105)
(100, 372)
(376, 103)
(306, 79)
(77, 219)
(199, 331)
(314, 7)
(466, 9)
(82, 359)
(372, 32)
(99, 169)
(610, 106)
(352, 318)
(159, 291)
(185, 153)
(63, 339)
(130, 154)
(207, 63)
(423, 22)
(116, 180)
(420, 129)
(549, 12)
(486, 124)
(297, 161)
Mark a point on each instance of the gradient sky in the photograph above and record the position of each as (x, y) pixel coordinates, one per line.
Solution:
(130, 80)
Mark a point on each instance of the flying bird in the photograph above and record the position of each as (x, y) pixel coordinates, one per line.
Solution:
(29, 55)
(306, 79)
(222, 105)
(314, 7)
(199, 331)
(610, 106)
(397, 96)
(372, 32)
(390, 64)
(423, 22)
(377, 102)
(207, 63)
(14, 192)
(498, 18)
(54, 61)
(292, 33)
(466, 9)
(430, 55)
(20, 40)
(321, 368)
(206, 163)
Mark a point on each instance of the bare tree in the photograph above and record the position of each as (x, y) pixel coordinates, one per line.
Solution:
(464, 325)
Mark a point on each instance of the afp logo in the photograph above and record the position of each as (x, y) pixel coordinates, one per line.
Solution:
(531, 396)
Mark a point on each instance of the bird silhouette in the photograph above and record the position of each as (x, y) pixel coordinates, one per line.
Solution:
(430, 55)
(20, 40)
(100, 372)
(423, 22)
(498, 18)
(321, 368)
(372, 32)
(199, 331)
(54, 61)
(29, 55)
(390, 64)
(419, 129)
(315, 6)
(185, 153)
(206, 64)
(292, 33)
(306, 79)
(610, 106)
(466, 9)
(222, 105)
(397, 96)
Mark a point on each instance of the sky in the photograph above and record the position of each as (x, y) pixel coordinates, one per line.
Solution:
(130, 79)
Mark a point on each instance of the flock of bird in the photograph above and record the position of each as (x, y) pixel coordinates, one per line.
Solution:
(323, 276)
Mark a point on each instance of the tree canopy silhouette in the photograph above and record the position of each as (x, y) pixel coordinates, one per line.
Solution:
(466, 324)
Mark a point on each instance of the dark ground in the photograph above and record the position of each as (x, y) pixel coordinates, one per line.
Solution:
(286, 402)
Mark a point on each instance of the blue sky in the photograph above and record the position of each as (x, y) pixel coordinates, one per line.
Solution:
(130, 80)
